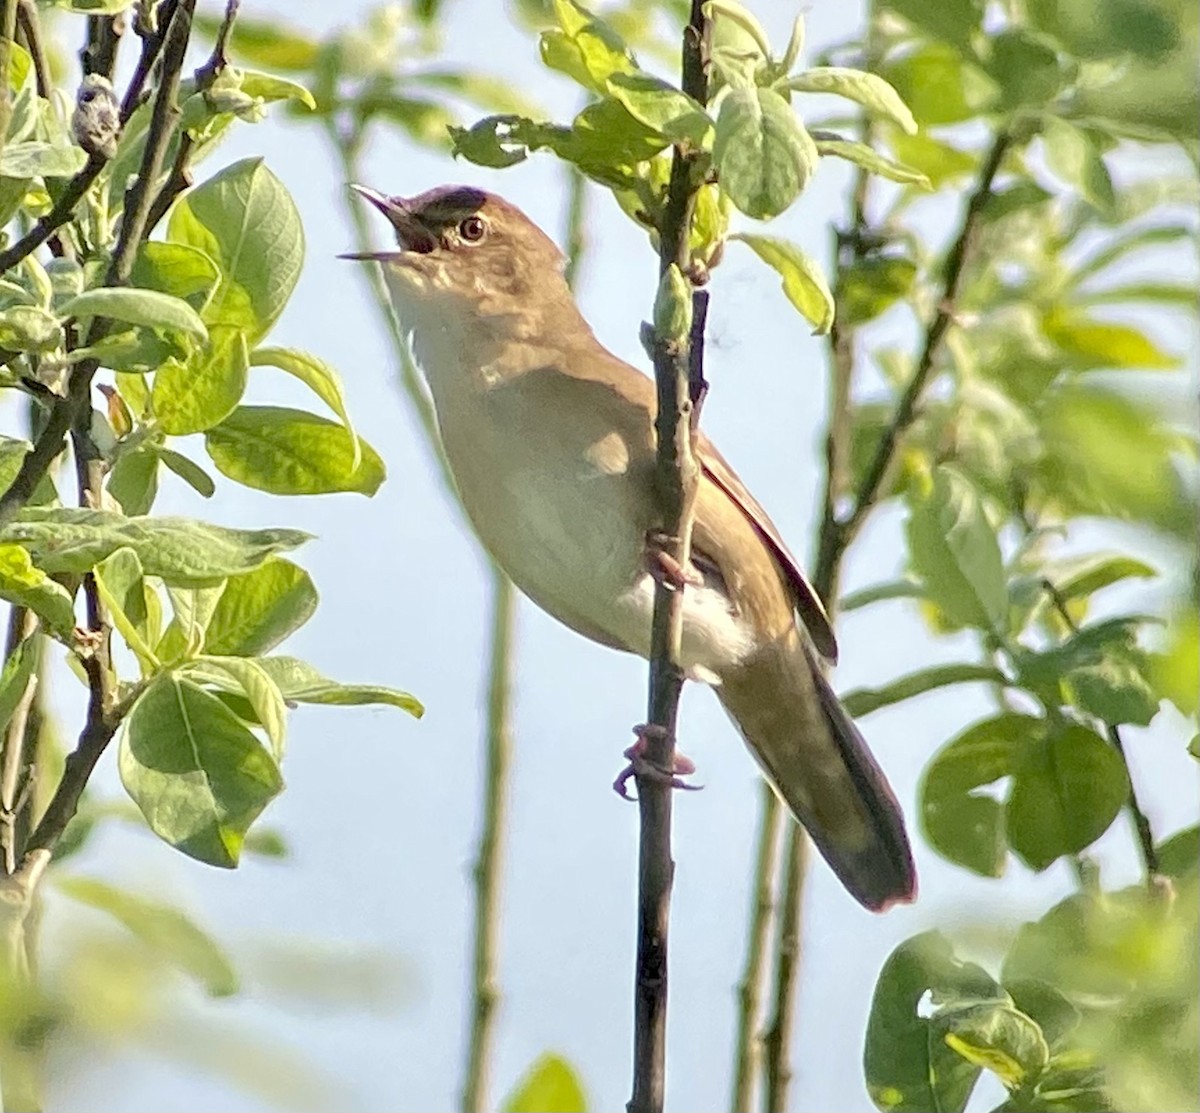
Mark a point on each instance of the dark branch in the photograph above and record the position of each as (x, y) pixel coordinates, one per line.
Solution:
(99, 54)
(679, 378)
(31, 31)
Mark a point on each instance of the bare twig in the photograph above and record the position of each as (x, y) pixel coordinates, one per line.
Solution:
(14, 772)
(777, 1039)
(490, 859)
(1141, 822)
(679, 380)
(8, 31)
(762, 912)
(31, 30)
(99, 53)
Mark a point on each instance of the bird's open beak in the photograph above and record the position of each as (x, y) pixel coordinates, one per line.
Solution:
(411, 234)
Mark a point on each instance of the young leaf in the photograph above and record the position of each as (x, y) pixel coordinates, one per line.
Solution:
(764, 156)
(165, 930)
(301, 683)
(939, 85)
(955, 553)
(148, 308)
(179, 550)
(269, 87)
(995, 1035)
(247, 677)
(176, 269)
(867, 89)
(14, 680)
(1074, 157)
(26, 328)
(909, 1068)
(1088, 343)
(871, 160)
(187, 470)
(939, 162)
(23, 584)
(1067, 790)
(41, 160)
(662, 107)
(803, 281)
(951, 20)
(121, 586)
(259, 609)
(962, 824)
(192, 395)
(290, 452)
(871, 286)
(198, 775)
(315, 374)
(862, 701)
(193, 607)
(551, 1083)
(246, 222)
(133, 481)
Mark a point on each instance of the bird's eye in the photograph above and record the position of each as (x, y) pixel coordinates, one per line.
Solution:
(472, 229)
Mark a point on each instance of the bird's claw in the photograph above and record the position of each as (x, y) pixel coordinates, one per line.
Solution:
(664, 568)
(640, 766)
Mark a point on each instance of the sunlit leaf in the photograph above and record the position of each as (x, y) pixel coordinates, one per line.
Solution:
(803, 282)
(123, 589)
(998, 1037)
(551, 1085)
(1074, 157)
(137, 307)
(300, 682)
(259, 609)
(862, 701)
(867, 89)
(247, 677)
(26, 586)
(870, 159)
(193, 395)
(315, 374)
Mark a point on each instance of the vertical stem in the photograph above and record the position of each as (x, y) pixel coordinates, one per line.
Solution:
(679, 381)
(8, 30)
(762, 913)
(490, 859)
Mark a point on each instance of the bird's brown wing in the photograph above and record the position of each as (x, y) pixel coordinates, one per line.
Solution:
(808, 603)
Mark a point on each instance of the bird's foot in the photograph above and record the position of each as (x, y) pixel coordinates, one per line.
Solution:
(664, 567)
(640, 766)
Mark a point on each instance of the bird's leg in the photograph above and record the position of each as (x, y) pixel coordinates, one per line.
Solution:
(664, 567)
(640, 766)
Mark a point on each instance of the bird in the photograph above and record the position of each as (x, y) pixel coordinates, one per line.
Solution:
(550, 441)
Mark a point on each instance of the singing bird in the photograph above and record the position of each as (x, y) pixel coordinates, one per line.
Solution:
(550, 439)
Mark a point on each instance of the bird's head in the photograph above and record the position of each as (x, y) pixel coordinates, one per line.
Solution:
(461, 250)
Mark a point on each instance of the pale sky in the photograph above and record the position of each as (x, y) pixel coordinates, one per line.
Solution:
(381, 812)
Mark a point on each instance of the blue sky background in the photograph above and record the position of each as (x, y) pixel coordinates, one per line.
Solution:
(381, 812)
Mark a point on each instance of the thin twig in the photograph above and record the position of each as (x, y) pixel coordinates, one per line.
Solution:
(31, 29)
(99, 54)
(777, 1039)
(8, 31)
(679, 381)
(485, 994)
(14, 774)
(1141, 822)
(762, 912)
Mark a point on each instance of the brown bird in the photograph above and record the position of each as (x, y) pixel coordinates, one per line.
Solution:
(551, 443)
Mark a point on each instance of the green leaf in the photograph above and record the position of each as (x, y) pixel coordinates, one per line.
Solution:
(166, 931)
(1180, 854)
(939, 86)
(870, 159)
(763, 154)
(955, 553)
(137, 307)
(1115, 689)
(952, 20)
(176, 269)
(551, 1085)
(871, 286)
(939, 162)
(247, 677)
(301, 683)
(269, 87)
(266, 42)
(26, 328)
(965, 825)
(492, 94)
(193, 395)
(121, 586)
(259, 609)
(198, 775)
(585, 48)
(879, 593)
(803, 281)
(194, 607)
(290, 452)
(1088, 343)
(247, 223)
(663, 108)
(179, 550)
(1026, 66)
(862, 701)
(999, 1037)
(187, 470)
(1175, 670)
(1083, 577)
(315, 374)
(41, 160)
(1164, 293)
(867, 89)
(133, 481)
(14, 680)
(1074, 157)
(1067, 790)
(23, 584)
(909, 1069)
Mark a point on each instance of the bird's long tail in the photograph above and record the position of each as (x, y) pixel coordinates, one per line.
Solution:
(818, 762)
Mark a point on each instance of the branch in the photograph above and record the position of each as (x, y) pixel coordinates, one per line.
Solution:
(1141, 822)
(762, 912)
(14, 768)
(99, 53)
(31, 29)
(679, 380)
(8, 31)
(65, 411)
(489, 861)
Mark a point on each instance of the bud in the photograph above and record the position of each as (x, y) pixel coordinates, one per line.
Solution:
(673, 307)
(96, 121)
